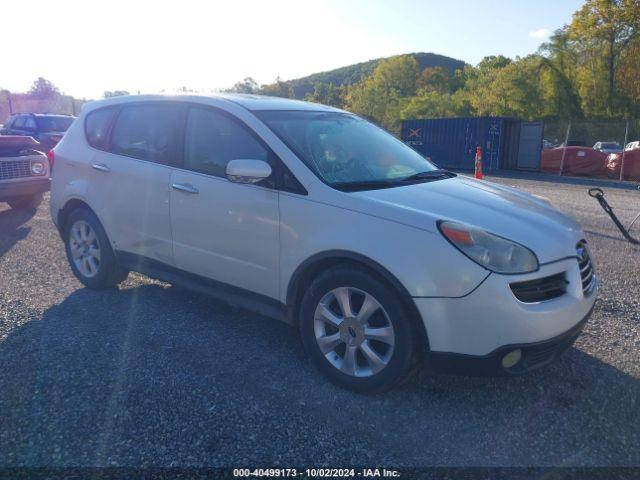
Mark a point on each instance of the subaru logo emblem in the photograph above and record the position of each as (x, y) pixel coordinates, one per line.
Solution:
(582, 254)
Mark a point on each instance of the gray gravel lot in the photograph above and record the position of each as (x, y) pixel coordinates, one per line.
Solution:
(152, 375)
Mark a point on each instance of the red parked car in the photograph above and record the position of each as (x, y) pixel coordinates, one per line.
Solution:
(582, 161)
(631, 165)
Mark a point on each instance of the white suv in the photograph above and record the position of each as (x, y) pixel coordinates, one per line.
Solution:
(313, 215)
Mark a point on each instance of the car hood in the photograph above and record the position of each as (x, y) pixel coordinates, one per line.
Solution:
(502, 210)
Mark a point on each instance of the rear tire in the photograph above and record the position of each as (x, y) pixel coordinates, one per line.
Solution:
(89, 251)
(26, 202)
(373, 347)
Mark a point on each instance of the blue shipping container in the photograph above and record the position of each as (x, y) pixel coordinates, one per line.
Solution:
(452, 142)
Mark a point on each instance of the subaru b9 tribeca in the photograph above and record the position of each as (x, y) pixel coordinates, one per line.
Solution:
(315, 216)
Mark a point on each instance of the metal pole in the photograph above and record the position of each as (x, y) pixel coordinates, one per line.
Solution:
(564, 150)
(624, 145)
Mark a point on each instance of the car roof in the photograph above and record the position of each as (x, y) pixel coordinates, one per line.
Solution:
(263, 102)
(248, 101)
(64, 115)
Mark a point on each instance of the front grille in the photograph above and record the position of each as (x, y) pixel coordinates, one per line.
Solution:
(14, 169)
(540, 289)
(587, 274)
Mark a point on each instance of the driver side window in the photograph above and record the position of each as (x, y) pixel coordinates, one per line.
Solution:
(19, 123)
(213, 139)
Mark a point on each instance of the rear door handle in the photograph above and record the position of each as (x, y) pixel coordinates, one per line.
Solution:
(185, 187)
(101, 167)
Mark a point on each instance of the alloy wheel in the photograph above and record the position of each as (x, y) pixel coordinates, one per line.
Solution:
(85, 248)
(354, 332)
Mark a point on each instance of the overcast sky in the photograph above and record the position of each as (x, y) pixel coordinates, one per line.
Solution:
(87, 47)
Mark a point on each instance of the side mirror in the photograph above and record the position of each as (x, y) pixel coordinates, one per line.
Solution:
(247, 171)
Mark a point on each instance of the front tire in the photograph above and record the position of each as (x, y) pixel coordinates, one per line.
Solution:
(357, 330)
(89, 252)
(26, 202)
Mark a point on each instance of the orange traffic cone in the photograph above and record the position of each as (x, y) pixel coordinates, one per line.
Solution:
(478, 174)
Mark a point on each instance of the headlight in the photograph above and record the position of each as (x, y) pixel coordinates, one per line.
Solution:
(37, 168)
(489, 251)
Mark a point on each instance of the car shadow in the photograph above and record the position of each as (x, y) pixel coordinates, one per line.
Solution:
(12, 227)
(159, 376)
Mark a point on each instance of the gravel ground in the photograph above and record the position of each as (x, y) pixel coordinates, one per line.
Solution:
(152, 375)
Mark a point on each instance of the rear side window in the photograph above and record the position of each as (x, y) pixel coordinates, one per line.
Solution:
(96, 127)
(213, 139)
(19, 122)
(30, 124)
(147, 132)
(54, 123)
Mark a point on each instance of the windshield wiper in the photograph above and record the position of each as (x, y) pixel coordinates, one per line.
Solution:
(388, 183)
(364, 185)
(430, 175)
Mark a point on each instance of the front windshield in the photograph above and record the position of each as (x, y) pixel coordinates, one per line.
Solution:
(344, 149)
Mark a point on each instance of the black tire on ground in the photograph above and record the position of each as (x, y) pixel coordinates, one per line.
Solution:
(27, 202)
(110, 273)
(404, 357)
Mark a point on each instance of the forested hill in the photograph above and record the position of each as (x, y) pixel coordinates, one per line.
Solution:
(354, 73)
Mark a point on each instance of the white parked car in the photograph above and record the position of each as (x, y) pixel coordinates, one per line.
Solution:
(607, 147)
(313, 215)
(632, 146)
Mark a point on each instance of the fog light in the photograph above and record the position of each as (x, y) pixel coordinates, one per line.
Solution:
(37, 168)
(511, 358)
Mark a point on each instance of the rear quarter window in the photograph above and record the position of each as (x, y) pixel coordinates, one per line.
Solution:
(96, 127)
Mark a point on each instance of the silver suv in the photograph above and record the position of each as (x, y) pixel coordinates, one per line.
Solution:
(24, 172)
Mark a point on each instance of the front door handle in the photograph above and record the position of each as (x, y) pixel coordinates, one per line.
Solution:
(185, 187)
(101, 167)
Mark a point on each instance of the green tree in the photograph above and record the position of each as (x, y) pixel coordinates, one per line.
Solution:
(609, 25)
(43, 89)
(628, 79)
(278, 89)
(327, 94)
(114, 93)
(436, 79)
(248, 85)
(430, 104)
(383, 95)
(479, 89)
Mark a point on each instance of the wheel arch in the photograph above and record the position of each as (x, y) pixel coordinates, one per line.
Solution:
(312, 266)
(71, 205)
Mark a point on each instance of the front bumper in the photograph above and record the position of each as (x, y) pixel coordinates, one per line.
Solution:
(19, 188)
(491, 320)
(534, 355)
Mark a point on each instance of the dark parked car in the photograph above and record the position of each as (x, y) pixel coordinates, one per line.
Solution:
(46, 128)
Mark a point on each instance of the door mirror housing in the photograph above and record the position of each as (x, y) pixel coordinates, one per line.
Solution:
(247, 171)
